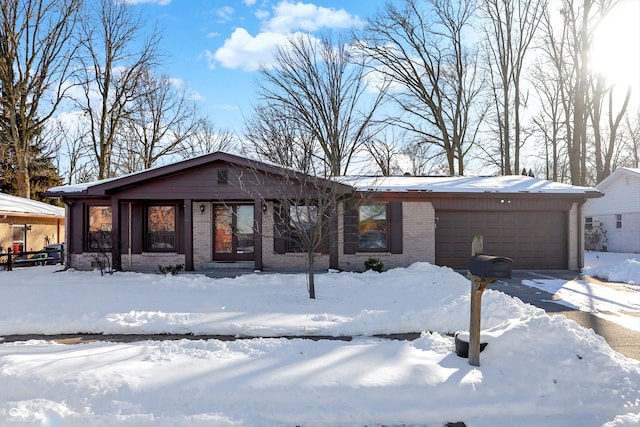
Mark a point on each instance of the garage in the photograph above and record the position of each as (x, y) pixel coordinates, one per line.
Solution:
(533, 239)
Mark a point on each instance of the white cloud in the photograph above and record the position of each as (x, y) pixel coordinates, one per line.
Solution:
(225, 13)
(244, 51)
(289, 17)
(182, 86)
(262, 14)
(249, 2)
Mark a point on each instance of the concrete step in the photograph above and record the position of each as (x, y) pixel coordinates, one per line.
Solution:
(238, 265)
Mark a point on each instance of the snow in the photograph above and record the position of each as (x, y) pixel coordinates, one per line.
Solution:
(13, 205)
(615, 302)
(464, 184)
(536, 370)
(613, 267)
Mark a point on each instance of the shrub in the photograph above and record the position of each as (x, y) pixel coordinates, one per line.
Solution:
(595, 238)
(172, 269)
(374, 264)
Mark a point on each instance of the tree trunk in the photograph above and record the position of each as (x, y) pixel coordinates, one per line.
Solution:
(23, 183)
(311, 276)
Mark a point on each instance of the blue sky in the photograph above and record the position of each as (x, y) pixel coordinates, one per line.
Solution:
(215, 46)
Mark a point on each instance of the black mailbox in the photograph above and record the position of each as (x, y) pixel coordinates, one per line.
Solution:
(490, 267)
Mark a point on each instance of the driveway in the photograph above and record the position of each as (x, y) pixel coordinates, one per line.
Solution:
(623, 340)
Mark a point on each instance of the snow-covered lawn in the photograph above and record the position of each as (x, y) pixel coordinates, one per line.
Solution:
(536, 370)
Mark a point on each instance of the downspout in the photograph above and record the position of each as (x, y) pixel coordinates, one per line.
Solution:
(580, 233)
(67, 233)
(129, 238)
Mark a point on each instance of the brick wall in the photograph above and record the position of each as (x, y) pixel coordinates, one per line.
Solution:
(272, 260)
(202, 234)
(418, 243)
(146, 262)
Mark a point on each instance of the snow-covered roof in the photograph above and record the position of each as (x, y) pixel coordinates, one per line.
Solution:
(81, 187)
(19, 206)
(614, 176)
(462, 184)
(436, 184)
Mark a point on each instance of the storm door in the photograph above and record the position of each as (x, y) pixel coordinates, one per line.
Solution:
(233, 233)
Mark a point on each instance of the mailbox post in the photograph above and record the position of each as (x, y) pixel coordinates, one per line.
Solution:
(483, 269)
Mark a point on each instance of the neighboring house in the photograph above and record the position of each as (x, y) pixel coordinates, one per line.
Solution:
(29, 225)
(221, 208)
(618, 210)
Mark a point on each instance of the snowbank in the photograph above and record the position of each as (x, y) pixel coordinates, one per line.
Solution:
(536, 370)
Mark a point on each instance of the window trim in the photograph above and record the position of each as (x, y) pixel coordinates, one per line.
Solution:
(289, 248)
(588, 222)
(146, 247)
(108, 244)
(387, 247)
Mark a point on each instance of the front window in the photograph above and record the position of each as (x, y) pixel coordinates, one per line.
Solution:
(619, 221)
(99, 232)
(161, 228)
(372, 228)
(303, 221)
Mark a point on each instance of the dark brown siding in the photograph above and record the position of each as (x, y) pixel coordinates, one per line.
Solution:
(76, 224)
(533, 239)
(350, 229)
(201, 183)
(395, 227)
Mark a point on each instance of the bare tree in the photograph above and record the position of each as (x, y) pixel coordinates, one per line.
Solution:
(161, 119)
(632, 131)
(548, 122)
(115, 60)
(510, 30)
(321, 85)
(384, 153)
(35, 63)
(206, 138)
(424, 159)
(306, 222)
(304, 210)
(606, 139)
(583, 95)
(274, 137)
(420, 48)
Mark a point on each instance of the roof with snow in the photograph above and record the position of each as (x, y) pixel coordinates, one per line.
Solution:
(110, 184)
(511, 184)
(19, 206)
(617, 173)
(437, 184)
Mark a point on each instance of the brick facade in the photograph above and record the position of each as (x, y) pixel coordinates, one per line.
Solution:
(418, 240)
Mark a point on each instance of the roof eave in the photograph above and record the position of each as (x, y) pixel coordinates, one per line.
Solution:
(30, 215)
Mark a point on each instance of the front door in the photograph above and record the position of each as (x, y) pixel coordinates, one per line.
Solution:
(233, 233)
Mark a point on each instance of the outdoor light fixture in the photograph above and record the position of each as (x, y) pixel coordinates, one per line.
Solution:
(201, 209)
(264, 208)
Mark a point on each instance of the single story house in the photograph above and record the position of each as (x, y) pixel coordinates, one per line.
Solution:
(618, 210)
(29, 225)
(221, 208)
